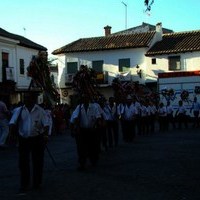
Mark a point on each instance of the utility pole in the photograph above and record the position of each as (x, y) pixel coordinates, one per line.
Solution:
(125, 14)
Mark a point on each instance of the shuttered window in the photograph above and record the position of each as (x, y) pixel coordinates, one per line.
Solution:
(72, 67)
(174, 63)
(97, 65)
(124, 65)
(21, 66)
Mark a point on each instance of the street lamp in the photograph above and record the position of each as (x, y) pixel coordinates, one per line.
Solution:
(125, 14)
(139, 71)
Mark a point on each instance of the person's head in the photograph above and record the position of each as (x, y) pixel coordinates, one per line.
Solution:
(30, 98)
(85, 99)
(111, 100)
(129, 99)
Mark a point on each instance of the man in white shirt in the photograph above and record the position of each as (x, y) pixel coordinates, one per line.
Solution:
(130, 113)
(110, 110)
(32, 135)
(195, 109)
(170, 116)
(181, 115)
(84, 119)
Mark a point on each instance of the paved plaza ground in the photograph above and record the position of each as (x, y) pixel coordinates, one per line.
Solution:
(162, 166)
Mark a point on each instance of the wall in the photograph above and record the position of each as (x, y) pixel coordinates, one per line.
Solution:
(23, 81)
(110, 58)
(8, 46)
(189, 62)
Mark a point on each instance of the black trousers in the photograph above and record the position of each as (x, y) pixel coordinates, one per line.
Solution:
(112, 132)
(129, 130)
(87, 141)
(31, 151)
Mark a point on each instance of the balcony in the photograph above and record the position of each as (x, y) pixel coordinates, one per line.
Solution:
(102, 77)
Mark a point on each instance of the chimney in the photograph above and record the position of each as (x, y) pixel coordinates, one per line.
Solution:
(107, 30)
(159, 31)
(159, 27)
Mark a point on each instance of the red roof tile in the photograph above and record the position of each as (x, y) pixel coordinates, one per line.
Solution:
(179, 42)
(111, 42)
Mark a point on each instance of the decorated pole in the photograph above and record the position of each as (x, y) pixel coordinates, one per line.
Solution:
(39, 72)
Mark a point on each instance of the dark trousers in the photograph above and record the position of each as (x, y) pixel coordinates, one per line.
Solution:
(170, 120)
(31, 151)
(196, 119)
(87, 141)
(129, 128)
(182, 120)
(162, 123)
(122, 124)
(112, 132)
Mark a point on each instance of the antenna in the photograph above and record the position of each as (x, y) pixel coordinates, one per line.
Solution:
(24, 31)
(125, 14)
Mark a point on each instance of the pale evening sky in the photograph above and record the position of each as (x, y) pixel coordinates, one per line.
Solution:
(55, 23)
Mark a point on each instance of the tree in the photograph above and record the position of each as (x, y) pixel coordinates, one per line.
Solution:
(148, 4)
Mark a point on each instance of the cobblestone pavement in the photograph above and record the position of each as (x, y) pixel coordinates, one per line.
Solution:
(163, 166)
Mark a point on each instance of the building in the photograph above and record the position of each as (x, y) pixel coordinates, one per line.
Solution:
(136, 54)
(15, 55)
(111, 55)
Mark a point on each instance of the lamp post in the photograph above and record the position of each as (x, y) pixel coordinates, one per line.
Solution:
(139, 71)
(125, 14)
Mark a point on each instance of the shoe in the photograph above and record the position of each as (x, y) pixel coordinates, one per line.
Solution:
(22, 191)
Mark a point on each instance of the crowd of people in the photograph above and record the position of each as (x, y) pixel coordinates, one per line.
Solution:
(95, 125)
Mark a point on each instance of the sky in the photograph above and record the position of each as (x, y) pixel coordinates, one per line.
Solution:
(56, 23)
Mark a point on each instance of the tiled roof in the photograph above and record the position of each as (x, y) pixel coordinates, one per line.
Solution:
(179, 42)
(111, 42)
(140, 29)
(23, 41)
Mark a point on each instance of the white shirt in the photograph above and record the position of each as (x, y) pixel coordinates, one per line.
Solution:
(137, 106)
(30, 123)
(129, 112)
(181, 109)
(111, 113)
(195, 106)
(162, 111)
(144, 111)
(153, 109)
(87, 118)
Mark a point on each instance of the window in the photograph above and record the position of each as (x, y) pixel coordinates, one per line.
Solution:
(174, 63)
(21, 66)
(72, 67)
(5, 64)
(153, 61)
(97, 65)
(124, 65)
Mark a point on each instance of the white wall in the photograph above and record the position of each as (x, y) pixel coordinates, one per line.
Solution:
(189, 62)
(23, 81)
(8, 46)
(110, 58)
